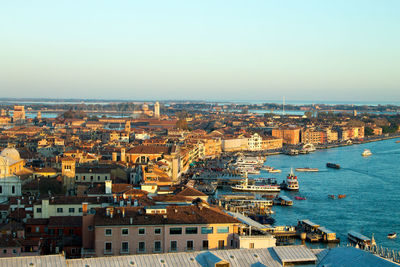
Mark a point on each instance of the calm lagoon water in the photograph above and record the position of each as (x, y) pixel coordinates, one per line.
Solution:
(371, 184)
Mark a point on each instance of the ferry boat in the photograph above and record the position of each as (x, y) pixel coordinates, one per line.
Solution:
(306, 169)
(255, 188)
(359, 239)
(248, 169)
(366, 153)
(291, 183)
(333, 165)
(269, 181)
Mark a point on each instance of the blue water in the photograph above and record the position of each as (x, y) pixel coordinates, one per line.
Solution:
(371, 184)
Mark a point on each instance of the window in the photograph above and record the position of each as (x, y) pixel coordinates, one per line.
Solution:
(83, 178)
(142, 246)
(189, 245)
(108, 232)
(37, 229)
(71, 210)
(59, 210)
(80, 209)
(5, 251)
(13, 189)
(191, 230)
(51, 231)
(207, 230)
(175, 231)
(223, 230)
(251, 245)
(157, 231)
(124, 231)
(108, 247)
(221, 244)
(76, 178)
(1, 189)
(125, 247)
(174, 245)
(91, 178)
(90, 228)
(157, 246)
(98, 178)
(205, 244)
(142, 231)
(71, 231)
(39, 210)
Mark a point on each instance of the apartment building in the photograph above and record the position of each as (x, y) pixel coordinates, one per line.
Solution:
(157, 229)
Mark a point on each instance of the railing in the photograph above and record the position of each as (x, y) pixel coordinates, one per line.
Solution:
(124, 251)
(108, 252)
(141, 251)
(382, 252)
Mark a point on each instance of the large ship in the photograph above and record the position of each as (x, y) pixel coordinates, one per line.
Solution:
(256, 188)
(291, 183)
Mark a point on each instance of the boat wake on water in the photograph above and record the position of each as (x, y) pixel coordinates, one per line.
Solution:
(365, 173)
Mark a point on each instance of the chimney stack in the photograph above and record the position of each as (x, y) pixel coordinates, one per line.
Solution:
(84, 208)
(108, 184)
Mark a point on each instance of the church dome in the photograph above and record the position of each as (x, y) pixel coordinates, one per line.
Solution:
(11, 153)
(3, 161)
(145, 107)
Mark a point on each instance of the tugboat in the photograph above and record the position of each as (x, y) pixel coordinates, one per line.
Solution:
(291, 183)
(333, 165)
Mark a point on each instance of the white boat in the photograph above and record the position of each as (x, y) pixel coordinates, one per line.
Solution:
(248, 169)
(255, 188)
(306, 169)
(274, 171)
(392, 235)
(366, 153)
(267, 168)
(291, 183)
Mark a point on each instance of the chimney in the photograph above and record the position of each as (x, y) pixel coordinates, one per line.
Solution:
(123, 213)
(108, 184)
(131, 220)
(84, 208)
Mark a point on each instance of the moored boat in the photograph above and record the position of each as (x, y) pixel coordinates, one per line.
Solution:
(300, 198)
(332, 196)
(341, 196)
(255, 188)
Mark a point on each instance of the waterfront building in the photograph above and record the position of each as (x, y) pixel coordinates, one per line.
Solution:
(157, 229)
(271, 143)
(289, 135)
(254, 142)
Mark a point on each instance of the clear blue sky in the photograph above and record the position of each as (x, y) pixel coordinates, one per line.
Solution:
(209, 49)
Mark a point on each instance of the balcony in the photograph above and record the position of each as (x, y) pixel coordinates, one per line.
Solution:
(124, 251)
(141, 251)
(108, 252)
